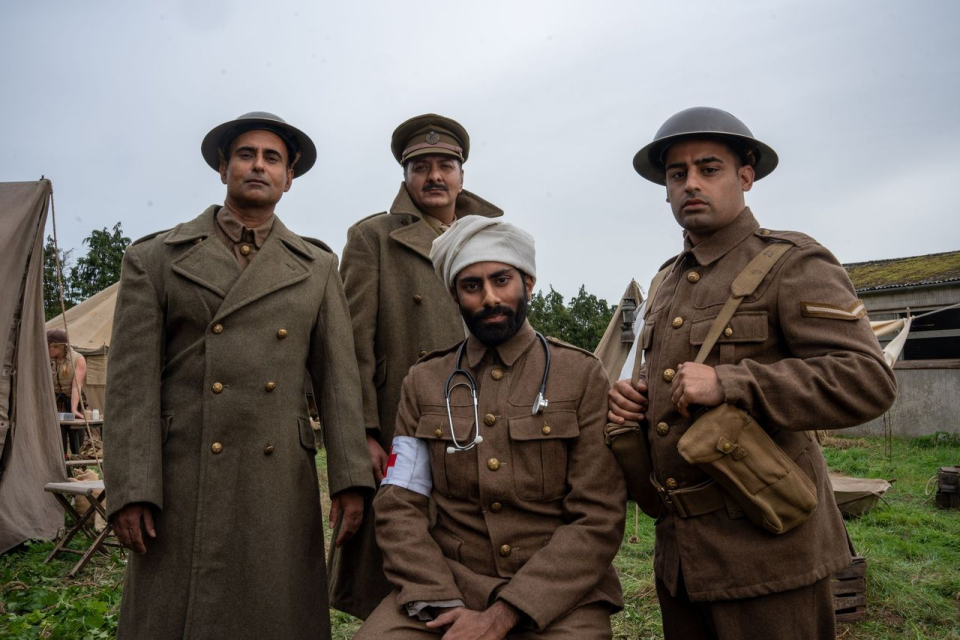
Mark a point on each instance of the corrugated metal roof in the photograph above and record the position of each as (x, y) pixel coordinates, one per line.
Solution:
(934, 268)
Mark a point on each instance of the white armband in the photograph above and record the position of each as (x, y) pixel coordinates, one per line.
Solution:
(409, 465)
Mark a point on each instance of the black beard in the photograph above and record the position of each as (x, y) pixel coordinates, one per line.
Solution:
(493, 335)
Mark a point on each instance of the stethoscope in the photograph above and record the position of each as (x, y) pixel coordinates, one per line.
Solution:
(539, 404)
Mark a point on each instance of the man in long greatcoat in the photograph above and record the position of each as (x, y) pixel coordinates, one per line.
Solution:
(400, 311)
(211, 471)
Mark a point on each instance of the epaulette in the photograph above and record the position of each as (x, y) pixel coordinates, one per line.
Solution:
(567, 345)
(370, 217)
(149, 236)
(436, 353)
(318, 243)
(793, 237)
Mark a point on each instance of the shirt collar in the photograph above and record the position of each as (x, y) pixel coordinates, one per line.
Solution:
(234, 229)
(724, 240)
(509, 351)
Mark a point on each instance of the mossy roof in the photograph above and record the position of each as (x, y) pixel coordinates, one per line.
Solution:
(934, 268)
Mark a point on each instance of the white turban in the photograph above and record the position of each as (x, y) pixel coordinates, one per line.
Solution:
(473, 239)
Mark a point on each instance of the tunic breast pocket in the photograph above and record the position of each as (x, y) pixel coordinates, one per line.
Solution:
(539, 446)
(742, 338)
(453, 473)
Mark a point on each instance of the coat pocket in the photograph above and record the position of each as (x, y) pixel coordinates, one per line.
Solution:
(308, 439)
(449, 544)
(539, 445)
(453, 473)
(740, 339)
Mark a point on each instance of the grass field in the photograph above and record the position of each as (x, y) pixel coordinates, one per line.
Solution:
(912, 551)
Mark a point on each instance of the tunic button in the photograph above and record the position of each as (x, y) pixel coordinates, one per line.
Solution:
(422, 353)
(496, 374)
(728, 332)
(269, 450)
(663, 428)
(496, 507)
(677, 322)
(671, 483)
(727, 447)
(438, 433)
(493, 464)
(216, 447)
(545, 430)
(418, 298)
(218, 329)
(281, 334)
(505, 550)
(693, 276)
(217, 387)
(764, 232)
(245, 250)
(270, 386)
(197, 240)
(489, 419)
(668, 375)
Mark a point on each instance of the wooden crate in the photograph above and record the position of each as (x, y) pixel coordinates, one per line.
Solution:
(849, 587)
(948, 488)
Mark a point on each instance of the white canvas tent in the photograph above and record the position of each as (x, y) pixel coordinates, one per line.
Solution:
(31, 451)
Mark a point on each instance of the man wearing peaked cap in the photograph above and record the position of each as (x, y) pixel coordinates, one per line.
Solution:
(529, 503)
(212, 478)
(400, 310)
(797, 355)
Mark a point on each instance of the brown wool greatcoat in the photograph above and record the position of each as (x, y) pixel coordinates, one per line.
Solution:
(400, 310)
(793, 368)
(206, 420)
(534, 514)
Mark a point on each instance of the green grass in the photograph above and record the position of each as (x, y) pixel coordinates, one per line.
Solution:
(912, 551)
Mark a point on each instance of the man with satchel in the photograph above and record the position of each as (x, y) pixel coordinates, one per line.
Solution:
(752, 340)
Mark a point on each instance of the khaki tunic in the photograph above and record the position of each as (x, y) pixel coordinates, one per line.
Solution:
(534, 514)
(206, 420)
(401, 310)
(792, 368)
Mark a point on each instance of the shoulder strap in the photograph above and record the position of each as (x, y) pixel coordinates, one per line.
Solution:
(743, 285)
(654, 285)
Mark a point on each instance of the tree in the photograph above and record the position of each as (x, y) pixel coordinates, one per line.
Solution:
(581, 322)
(100, 268)
(51, 294)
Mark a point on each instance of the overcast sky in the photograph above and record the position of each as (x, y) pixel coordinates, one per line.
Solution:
(110, 100)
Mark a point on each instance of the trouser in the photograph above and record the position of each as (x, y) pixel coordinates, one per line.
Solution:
(388, 622)
(799, 614)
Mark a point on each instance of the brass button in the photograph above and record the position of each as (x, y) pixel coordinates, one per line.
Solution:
(281, 334)
(764, 232)
(663, 428)
(217, 387)
(489, 419)
(505, 550)
(197, 240)
(668, 375)
(496, 507)
(270, 386)
(727, 447)
(728, 332)
(671, 483)
(693, 276)
(418, 298)
(496, 374)
(545, 430)
(217, 329)
(269, 450)
(493, 464)
(438, 433)
(245, 250)
(677, 322)
(422, 353)
(216, 447)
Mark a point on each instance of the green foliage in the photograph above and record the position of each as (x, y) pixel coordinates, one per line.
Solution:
(51, 295)
(581, 322)
(100, 268)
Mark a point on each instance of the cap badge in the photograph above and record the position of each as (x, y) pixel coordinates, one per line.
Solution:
(433, 137)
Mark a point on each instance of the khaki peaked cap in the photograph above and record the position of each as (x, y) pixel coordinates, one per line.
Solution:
(427, 134)
(296, 140)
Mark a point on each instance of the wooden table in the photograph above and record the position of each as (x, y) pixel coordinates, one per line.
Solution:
(76, 429)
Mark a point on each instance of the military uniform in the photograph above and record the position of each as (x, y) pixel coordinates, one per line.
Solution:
(532, 515)
(400, 311)
(207, 422)
(798, 355)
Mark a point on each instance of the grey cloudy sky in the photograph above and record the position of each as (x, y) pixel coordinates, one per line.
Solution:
(860, 99)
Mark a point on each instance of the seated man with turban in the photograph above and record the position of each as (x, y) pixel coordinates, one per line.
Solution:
(504, 432)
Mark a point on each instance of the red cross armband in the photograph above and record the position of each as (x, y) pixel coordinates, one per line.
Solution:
(409, 465)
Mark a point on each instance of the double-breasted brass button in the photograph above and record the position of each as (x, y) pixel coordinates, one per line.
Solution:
(418, 298)
(282, 333)
(677, 322)
(197, 240)
(489, 419)
(217, 328)
(216, 447)
(728, 332)
(422, 353)
(496, 507)
(438, 433)
(505, 550)
(727, 447)
(493, 464)
(270, 386)
(245, 249)
(764, 232)
(545, 430)
(663, 428)
(668, 375)
(693, 276)
(268, 451)
(670, 483)
(217, 387)
(496, 374)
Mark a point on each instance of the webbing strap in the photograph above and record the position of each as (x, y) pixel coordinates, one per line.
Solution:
(651, 295)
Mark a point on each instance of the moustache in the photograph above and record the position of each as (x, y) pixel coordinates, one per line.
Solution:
(494, 311)
(434, 186)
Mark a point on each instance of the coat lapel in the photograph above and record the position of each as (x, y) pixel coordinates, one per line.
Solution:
(208, 263)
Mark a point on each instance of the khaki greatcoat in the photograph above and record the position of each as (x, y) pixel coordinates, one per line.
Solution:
(790, 361)
(401, 310)
(206, 420)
